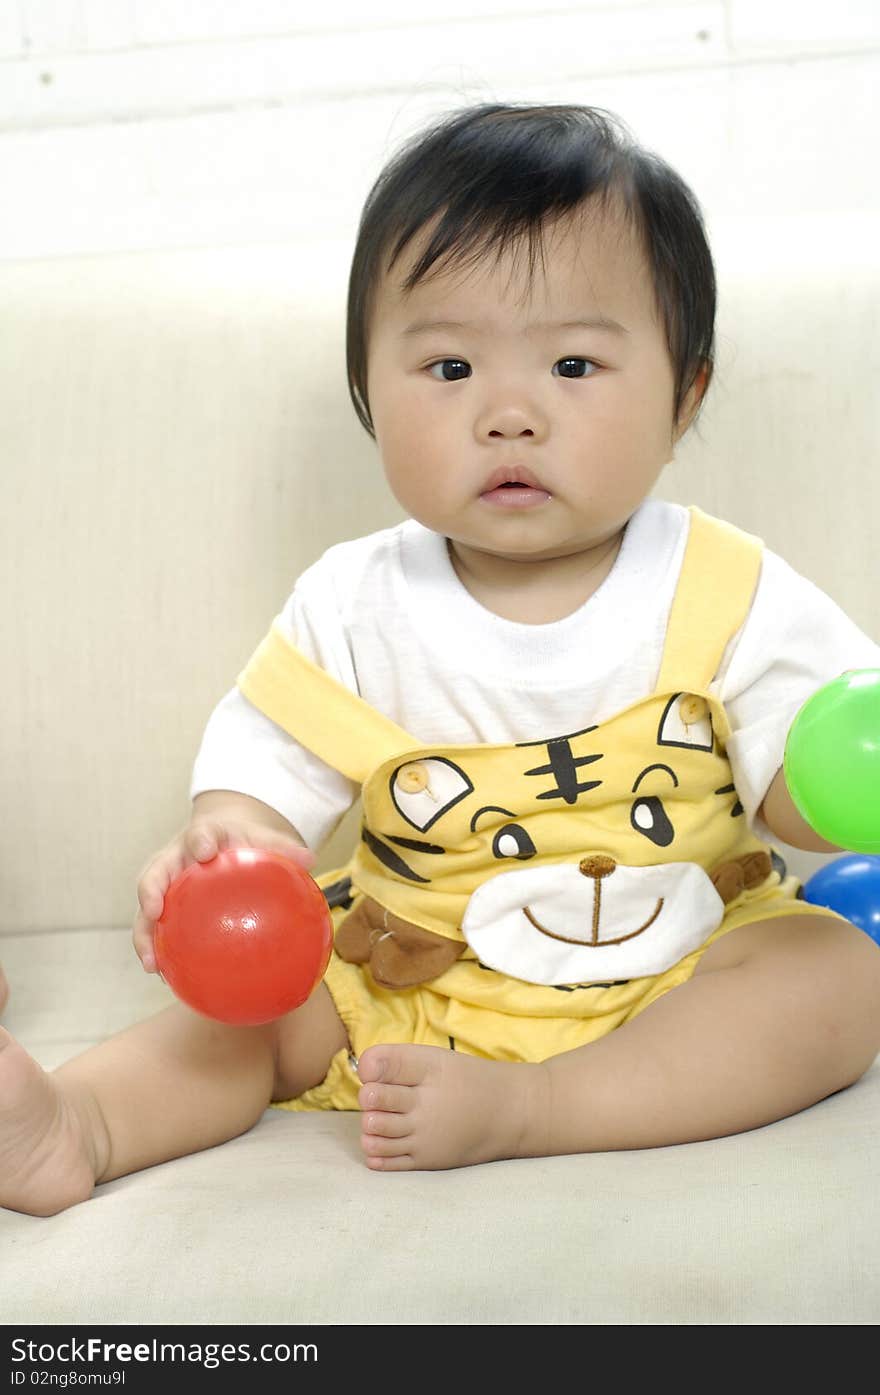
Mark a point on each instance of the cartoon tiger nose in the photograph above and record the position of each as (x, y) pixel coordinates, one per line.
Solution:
(597, 867)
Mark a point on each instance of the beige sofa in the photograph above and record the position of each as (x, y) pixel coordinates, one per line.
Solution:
(177, 447)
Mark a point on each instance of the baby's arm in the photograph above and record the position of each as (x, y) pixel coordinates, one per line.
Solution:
(782, 818)
(220, 819)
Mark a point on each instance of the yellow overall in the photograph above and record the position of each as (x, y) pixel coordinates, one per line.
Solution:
(517, 901)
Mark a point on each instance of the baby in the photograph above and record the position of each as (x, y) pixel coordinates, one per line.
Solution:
(565, 928)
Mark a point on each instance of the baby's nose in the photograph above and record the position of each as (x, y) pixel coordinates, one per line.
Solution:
(512, 417)
(598, 866)
(512, 430)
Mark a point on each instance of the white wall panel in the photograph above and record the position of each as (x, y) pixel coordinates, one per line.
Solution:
(57, 25)
(802, 143)
(222, 122)
(11, 34)
(110, 23)
(757, 26)
(137, 83)
(776, 138)
(70, 26)
(167, 21)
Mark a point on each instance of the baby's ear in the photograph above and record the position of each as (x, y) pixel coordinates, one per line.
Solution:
(692, 399)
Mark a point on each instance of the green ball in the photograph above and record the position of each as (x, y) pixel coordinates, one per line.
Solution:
(832, 761)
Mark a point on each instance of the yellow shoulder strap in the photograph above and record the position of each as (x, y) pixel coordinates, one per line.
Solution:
(715, 588)
(319, 711)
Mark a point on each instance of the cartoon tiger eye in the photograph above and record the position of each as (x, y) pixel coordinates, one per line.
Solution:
(648, 816)
(423, 790)
(513, 841)
(687, 722)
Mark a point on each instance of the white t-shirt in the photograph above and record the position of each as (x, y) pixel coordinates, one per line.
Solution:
(388, 616)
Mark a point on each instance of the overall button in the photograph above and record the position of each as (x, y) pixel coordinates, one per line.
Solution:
(412, 778)
(692, 708)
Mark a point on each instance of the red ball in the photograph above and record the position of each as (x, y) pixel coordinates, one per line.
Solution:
(244, 938)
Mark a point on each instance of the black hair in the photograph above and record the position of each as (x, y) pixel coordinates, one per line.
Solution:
(495, 174)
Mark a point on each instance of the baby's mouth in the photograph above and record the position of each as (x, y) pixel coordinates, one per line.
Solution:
(514, 487)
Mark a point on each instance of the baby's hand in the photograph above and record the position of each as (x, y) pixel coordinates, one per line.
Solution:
(199, 842)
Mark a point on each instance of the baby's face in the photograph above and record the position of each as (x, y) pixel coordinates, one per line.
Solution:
(474, 375)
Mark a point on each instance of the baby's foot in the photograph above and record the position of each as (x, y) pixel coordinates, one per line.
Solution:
(424, 1107)
(4, 989)
(45, 1162)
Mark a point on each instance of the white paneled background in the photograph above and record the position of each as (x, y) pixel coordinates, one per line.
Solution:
(129, 124)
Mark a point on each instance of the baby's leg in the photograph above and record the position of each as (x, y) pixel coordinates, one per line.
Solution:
(777, 1016)
(172, 1085)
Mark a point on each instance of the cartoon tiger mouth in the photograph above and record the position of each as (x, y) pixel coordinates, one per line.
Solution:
(594, 938)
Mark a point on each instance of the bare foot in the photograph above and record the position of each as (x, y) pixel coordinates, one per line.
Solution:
(4, 989)
(45, 1159)
(424, 1107)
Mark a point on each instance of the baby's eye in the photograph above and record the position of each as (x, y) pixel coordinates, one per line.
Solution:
(575, 367)
(455, 365)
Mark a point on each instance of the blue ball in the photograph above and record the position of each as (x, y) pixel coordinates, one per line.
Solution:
(849, 885)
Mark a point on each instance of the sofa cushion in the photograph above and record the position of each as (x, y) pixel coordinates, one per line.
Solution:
(287, 1225)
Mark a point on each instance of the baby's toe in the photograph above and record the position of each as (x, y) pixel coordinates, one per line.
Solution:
(373, 1064)
(397, 1099)
(396, 1063)
(386, 1125)
(402, 1164)
(386, 1153)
